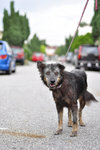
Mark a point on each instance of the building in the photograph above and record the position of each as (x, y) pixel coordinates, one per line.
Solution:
(50, 50)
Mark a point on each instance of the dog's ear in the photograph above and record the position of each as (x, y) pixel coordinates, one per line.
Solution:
(40, 66)
(61, 67)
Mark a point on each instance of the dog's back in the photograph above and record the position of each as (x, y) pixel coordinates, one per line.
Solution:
(81, 80)
(75, 82)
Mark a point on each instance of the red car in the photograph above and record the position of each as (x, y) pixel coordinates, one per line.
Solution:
(37, 57)
(19, 54)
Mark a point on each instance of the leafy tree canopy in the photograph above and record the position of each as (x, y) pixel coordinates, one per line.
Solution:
(83, 39)
(16, 27)
(83, 24)
(96, 23)
(34, 45)
(79, 40)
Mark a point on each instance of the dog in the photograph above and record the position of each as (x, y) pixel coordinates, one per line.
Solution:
(67, 88)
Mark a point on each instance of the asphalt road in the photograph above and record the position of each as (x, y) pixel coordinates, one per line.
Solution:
(28, 117)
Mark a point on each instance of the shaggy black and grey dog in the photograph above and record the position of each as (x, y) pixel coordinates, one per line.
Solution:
(67, 88)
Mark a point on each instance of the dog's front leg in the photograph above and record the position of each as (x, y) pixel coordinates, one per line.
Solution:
(60, 119)
(75, 125)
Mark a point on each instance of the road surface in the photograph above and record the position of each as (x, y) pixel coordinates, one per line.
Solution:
(28, 117)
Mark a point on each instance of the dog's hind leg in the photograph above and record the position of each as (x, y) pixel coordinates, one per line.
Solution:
(82, 105)
(75, 125)
(60, 119)
(70, 123)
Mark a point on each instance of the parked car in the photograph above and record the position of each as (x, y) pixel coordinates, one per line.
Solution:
(88, 57)
(62, 59)
(19, 54)
(74, 59)
(7, 59)
(69, 57)
(37, 57)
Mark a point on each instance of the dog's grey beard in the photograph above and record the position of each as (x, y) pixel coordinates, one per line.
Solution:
(55, 85)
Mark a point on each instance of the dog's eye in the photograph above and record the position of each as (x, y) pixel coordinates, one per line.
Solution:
(48, 73)
(56, 73)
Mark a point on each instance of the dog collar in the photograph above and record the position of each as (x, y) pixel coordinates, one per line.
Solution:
(59, 86)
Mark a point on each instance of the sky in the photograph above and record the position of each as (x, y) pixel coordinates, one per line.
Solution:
(52, 20)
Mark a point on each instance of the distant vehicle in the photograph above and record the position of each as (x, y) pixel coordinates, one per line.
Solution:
(37, 57)
(19, 54)
(62, 59)
(7, 59)
(74, 60)
(88, 57)
(69, 57)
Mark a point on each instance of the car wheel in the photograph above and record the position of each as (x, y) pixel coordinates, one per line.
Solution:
(9, 71)
(77, 67)
(14, 70)
(22, 63)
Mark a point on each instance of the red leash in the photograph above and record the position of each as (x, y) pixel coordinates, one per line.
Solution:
(96, 4)
(96, 7)
(77, 27)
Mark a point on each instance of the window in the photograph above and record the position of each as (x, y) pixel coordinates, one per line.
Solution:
(89, 50)
(0, 46)
(9, 50)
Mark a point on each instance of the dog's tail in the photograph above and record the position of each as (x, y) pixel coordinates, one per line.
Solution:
(88, 97)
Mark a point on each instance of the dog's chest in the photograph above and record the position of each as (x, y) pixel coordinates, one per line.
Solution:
(60, 98)
(57, 94)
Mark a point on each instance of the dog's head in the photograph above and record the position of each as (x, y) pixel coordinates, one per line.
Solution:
(51, 74)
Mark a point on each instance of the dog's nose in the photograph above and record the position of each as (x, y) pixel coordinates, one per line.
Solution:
(52, 81)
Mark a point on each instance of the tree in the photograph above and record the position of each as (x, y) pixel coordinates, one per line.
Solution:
(80, 40)
(61, 50)
(83, 24)
(96, 23)
(42, 49)
(68, 41)
(16, 27)
(34, 45)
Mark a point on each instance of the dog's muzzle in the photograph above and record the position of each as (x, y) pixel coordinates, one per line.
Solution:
(52, 83)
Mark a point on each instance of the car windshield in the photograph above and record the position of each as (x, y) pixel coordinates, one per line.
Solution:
(0, 46)
(69, 55)
(90, 50)
(16, 50)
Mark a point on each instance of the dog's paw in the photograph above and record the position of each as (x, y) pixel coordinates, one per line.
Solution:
(70, 124)
(73, 134)
(58, 132)
(81, 124)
